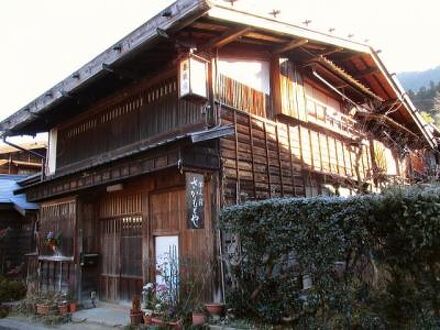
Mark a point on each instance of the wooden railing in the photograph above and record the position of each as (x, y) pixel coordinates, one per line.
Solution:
(126, 121)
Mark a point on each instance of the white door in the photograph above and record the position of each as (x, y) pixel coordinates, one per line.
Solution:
(167, 263)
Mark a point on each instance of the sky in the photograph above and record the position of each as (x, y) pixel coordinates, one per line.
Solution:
(44, 41)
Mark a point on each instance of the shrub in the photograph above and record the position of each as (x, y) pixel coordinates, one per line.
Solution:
(11, 290)
(373, 260)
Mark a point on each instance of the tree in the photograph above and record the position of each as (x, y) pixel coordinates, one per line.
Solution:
(436, 109)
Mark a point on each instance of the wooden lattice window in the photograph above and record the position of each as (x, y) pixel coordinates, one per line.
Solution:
(58, 218)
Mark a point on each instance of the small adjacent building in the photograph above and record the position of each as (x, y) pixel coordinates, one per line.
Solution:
(204, 106)
(17, 226)
(21, 161)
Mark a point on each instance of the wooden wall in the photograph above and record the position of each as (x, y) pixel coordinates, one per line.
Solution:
(59, 217)
(272, 159)
(18, 241)
(310, 146)
(123, 229)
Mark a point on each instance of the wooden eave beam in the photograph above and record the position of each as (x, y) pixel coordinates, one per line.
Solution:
(121, 73)
(290, 46)
(348, 57)
(325, 53)
(366, 73)
(384, 118)
(226, 38)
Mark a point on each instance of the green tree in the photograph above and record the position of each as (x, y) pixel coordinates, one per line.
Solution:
(436, 109)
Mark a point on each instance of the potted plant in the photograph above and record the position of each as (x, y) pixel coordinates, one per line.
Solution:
(148, 302)
(45, 303)
(198, 316)
(42, 308)
(215, 309)
(63, 308)
(53, 240)
(71, 303)
(148, 316)
(136, 314)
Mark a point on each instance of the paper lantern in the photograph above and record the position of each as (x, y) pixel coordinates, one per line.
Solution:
(193, 78)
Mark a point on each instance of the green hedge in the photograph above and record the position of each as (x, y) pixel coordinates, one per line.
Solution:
(374, 260)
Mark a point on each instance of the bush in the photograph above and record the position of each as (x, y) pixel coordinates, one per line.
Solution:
(373, 260)
(11, 290)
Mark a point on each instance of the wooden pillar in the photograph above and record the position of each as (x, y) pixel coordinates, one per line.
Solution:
(275, 86)
(78, 242)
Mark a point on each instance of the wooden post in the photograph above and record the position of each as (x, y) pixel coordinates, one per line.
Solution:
(275, 86)
(78, 250)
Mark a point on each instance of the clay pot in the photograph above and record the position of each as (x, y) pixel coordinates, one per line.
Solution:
(42, 309)
(198, 318)
(215, 309)
(173, 325)
(63, 309)
(148, 319)
(136, 318)
(157, 321)
(178, 325)
(72, 307)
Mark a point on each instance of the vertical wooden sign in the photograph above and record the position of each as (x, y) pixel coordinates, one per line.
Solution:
(195, 200)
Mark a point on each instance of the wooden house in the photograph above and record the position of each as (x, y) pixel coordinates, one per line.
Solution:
(205, 106)
(25, 159)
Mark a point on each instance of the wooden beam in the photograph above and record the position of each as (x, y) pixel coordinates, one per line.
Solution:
(325, 53)
(290, 46)
(349, 57)
(275, 85)
(332, 51)
(366, 73)
(121, 73)
(226, 38)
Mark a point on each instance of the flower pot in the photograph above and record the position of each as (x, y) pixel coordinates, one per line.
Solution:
(178, 325)
(72, 307)
(42, 309)
(157, 321)
(161, 323)
(148, 319)
(215, 309)
(63, 309)
(198, 318)
(136, 318)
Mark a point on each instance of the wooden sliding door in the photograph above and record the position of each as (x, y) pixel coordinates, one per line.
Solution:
(121, 248)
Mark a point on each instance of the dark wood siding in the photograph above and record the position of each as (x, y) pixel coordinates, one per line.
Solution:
(130, 119)
(273, 159)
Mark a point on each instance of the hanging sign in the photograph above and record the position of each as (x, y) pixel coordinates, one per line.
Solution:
(195, 200)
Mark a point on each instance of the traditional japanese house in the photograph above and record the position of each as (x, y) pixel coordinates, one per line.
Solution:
(23, 159)
(205, 106)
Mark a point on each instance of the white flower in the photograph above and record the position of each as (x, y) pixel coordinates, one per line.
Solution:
(148, 312)
(148, 286)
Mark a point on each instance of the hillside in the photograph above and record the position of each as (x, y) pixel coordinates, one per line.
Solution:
(417, 79)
